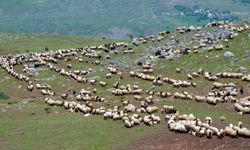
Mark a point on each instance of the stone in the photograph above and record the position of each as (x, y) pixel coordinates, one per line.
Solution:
(242, 69)
(228, 54)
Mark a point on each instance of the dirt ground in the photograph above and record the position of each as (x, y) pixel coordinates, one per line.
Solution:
(166, 140)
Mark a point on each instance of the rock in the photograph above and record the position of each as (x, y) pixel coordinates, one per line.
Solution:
(228, 54)
(242, 69)
(249, 35)
(230, 89)
(247, 52)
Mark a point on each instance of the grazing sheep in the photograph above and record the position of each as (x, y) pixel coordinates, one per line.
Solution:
(178, 70)
(222, 118)
(30, 87)
(101, 83)
(152, 109)
(64, 96)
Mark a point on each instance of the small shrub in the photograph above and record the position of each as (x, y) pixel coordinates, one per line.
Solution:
(48, 110)
(3, 96)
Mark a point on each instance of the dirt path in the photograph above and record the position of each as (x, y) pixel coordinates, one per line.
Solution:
(167, 140)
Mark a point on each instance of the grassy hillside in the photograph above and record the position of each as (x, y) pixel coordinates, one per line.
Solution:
(113, 18)
(34, 125)
(18, 43)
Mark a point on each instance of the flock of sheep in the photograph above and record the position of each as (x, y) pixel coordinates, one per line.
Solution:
(146, 112)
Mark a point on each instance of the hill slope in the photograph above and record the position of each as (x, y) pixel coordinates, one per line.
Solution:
(113, 18)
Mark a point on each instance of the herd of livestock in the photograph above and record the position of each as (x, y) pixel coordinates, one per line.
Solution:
(147, 112)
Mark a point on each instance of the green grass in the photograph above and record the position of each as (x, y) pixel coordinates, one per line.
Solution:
(38, 126)
(22, 130)
(19, 43)
(94, 17)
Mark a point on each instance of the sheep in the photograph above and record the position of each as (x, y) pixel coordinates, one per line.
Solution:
(151, 119)
(164, 94)
(128, 124)
(53, 103)
(107, 114)
(209, 133)
(246, 78)
(219, 47)
(64, 96)
(230, 132)
(178, 70)
(217, 85)
(108, 76)
(82, 108)
(79, 79)
(47, 92)
(101, 83)
(30, 87)
(231, 75)
(152, 109)
(178, 127)
(138, 97)
(130, 108)
(112, 70)
(69, 66)
(209, 120)
(241, 108)
(169, 109)
(200, 98)
(92, 81)
(190, 77)
(222, 118)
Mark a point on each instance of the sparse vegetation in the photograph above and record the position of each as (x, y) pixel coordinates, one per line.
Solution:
(3, 96)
